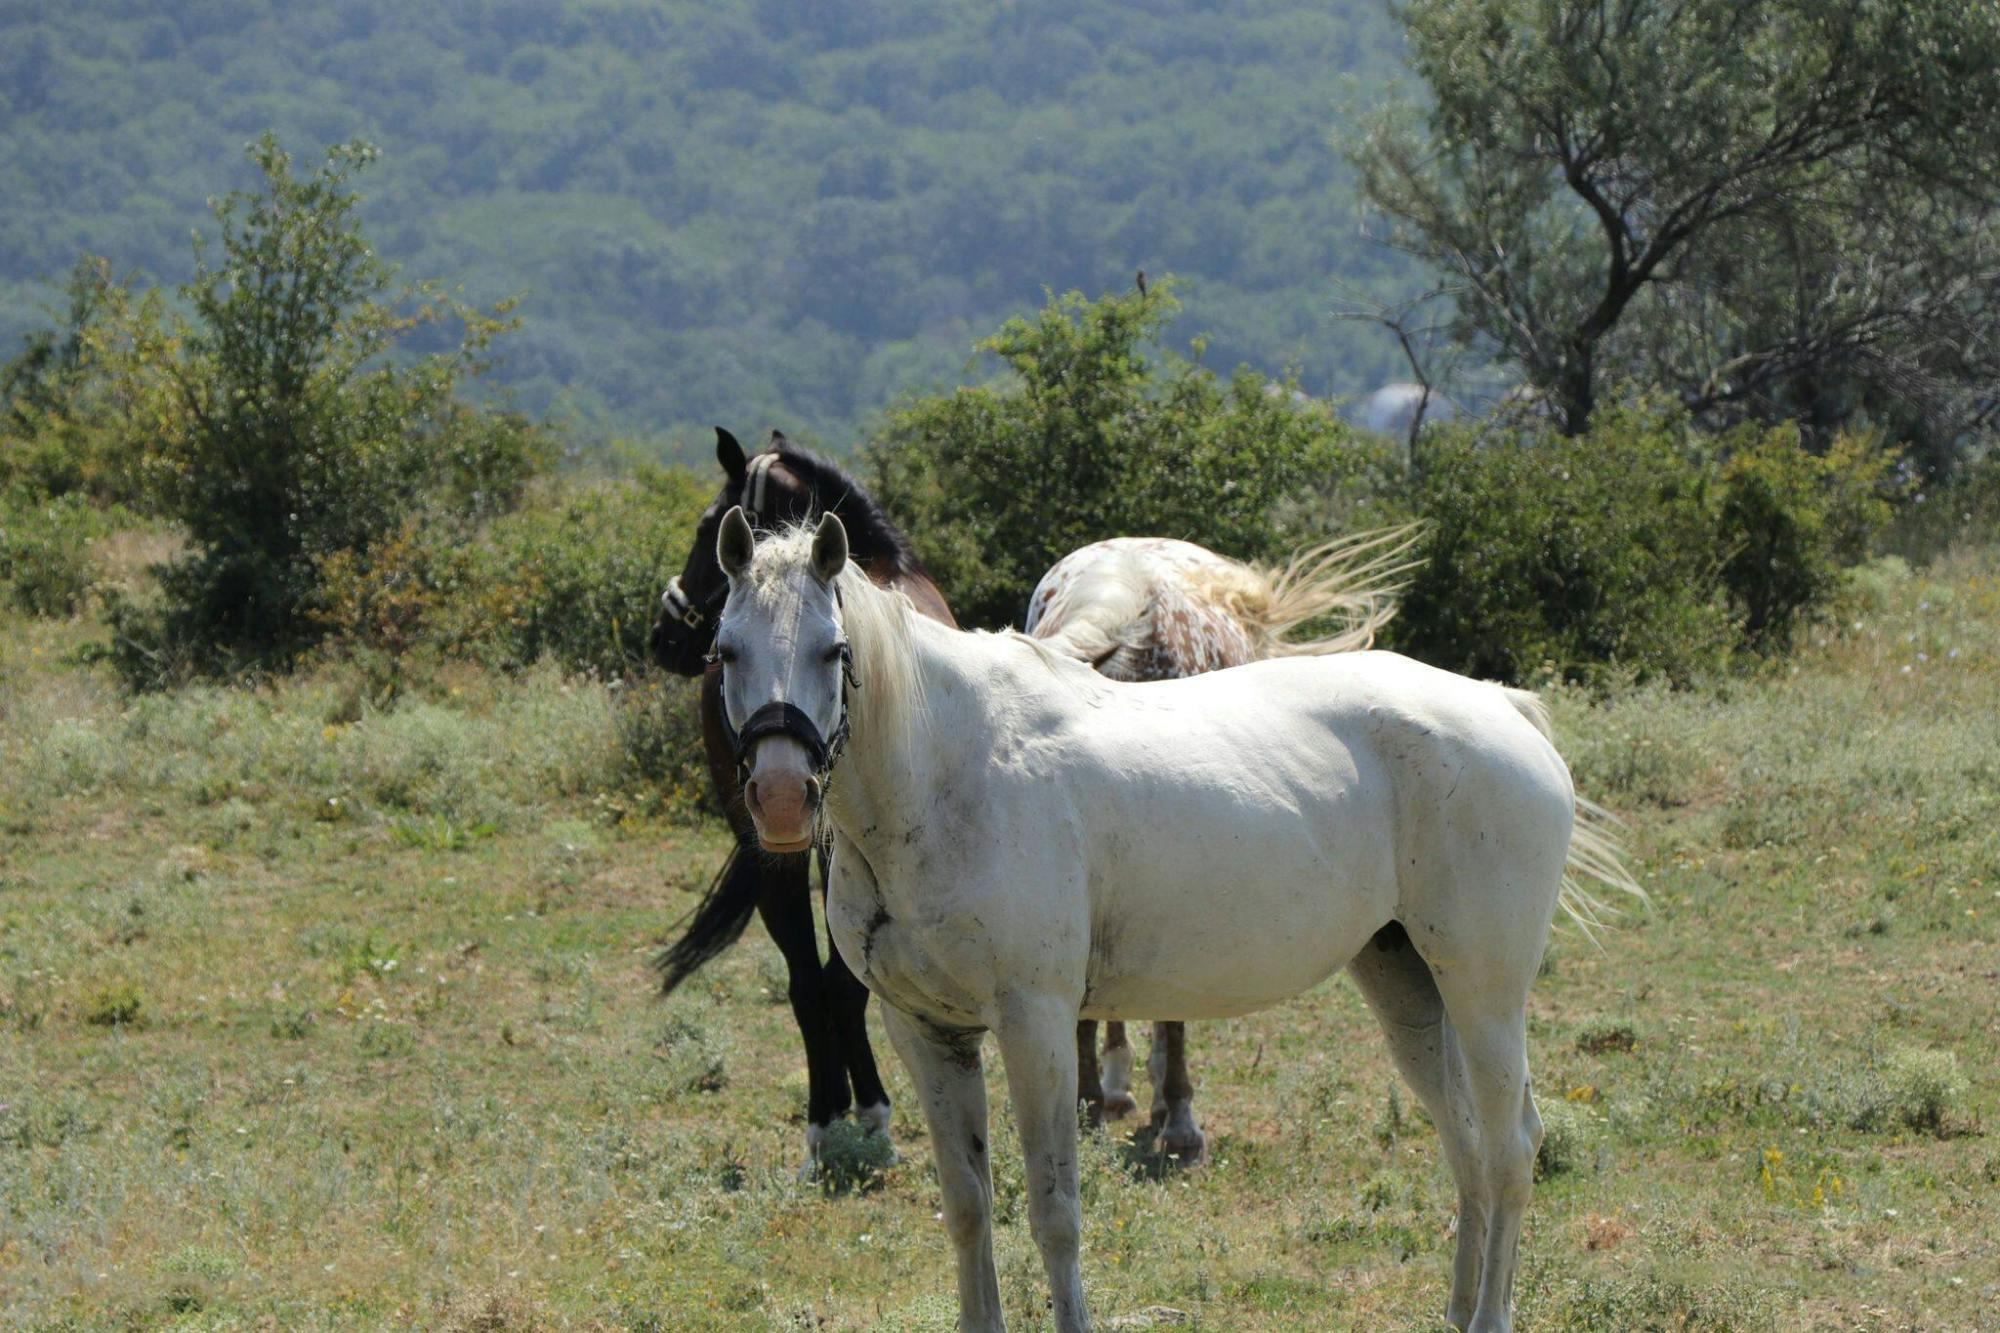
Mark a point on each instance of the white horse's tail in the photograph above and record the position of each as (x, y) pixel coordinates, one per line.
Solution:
(1596, 857)
(1351, 581)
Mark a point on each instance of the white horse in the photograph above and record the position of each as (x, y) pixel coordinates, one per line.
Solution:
(1019, 842)
(1153, 608)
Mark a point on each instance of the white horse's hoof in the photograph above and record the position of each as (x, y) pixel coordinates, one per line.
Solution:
(809, 1169)
(1118, 1105)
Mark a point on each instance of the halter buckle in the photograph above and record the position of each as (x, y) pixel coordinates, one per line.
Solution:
(676, 604)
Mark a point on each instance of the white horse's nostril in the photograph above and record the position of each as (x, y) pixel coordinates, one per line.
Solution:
(812, 793)
(750, 798)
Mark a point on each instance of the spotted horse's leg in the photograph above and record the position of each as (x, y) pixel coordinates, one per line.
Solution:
(1089, 1083)
(1118, 1099)
(1173, 1095)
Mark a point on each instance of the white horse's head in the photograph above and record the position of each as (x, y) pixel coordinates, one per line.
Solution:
(785, 656)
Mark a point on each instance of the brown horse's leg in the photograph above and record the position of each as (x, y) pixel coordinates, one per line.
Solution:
(1118, 1099)
(1089, 1090)
(1173, 1094)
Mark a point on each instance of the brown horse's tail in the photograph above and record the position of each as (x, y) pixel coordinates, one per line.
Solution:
(716, 922)
(1350, 582)
(1596, 857)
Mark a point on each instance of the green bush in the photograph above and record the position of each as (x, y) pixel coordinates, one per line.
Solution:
(116, 1005)
(1563, 1146)
(1641, 550)
(291, 431)
(1925, 1088)
(45, 565)
(1965, 506)
(1084, 439)
(574, 574)
(1546, 555)
(577, 576)
(1789, 522)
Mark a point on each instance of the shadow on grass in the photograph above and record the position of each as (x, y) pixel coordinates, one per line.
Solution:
(1140, 1156)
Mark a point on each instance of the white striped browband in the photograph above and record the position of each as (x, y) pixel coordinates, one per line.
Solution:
(757, 484)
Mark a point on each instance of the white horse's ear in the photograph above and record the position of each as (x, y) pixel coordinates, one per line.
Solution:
(829, 548)
(735, 543)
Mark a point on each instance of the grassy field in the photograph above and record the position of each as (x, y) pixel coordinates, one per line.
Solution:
(314, 1015)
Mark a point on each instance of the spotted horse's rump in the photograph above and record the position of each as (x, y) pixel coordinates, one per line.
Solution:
(1153, 608)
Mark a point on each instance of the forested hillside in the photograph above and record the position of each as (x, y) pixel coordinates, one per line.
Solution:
(761, 213)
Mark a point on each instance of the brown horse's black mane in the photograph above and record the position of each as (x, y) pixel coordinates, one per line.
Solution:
(870, 533)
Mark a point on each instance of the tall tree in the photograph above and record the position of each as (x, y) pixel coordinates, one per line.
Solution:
(1745, 200)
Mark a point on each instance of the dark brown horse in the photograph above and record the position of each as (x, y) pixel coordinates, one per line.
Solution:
(780, 486)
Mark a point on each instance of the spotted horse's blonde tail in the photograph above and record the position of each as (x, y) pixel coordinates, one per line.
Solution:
(1350, 581)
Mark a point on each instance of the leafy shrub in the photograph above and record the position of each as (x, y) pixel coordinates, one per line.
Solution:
(290, 432)
(1563, 1145)
(578, 576)
(1086, 439)
(694, 1055)
(114, 1006)
(853, 1157)
(1551, 555)
(45, 565)
(1790, 521)
(1963, 506)
(574, 574)
(1924, 1087)
(1641, 550)
(68, 424)
(659, 730)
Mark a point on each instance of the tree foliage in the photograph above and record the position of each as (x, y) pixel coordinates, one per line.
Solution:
(1775, 208)
(768, 213)
(1094, 432)
(1642, 548)
(287, 431)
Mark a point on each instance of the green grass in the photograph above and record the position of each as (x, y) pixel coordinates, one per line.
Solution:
(319, 1016)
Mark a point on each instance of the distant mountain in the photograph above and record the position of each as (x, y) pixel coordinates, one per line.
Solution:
(762, 213)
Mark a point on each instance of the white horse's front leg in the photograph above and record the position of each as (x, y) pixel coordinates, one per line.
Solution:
(1036, 1036)
(946, 1069)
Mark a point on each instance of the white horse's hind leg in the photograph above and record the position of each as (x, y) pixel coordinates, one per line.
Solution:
(1487, 1021)
(1496, 1060)
(946, 1069)
(1036, 1036)
(1399, 988)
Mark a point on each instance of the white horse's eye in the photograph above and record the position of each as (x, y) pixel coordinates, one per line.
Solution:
(834, 654)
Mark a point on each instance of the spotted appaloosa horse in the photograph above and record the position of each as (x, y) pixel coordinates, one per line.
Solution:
(780, 486)
(1152, 608)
